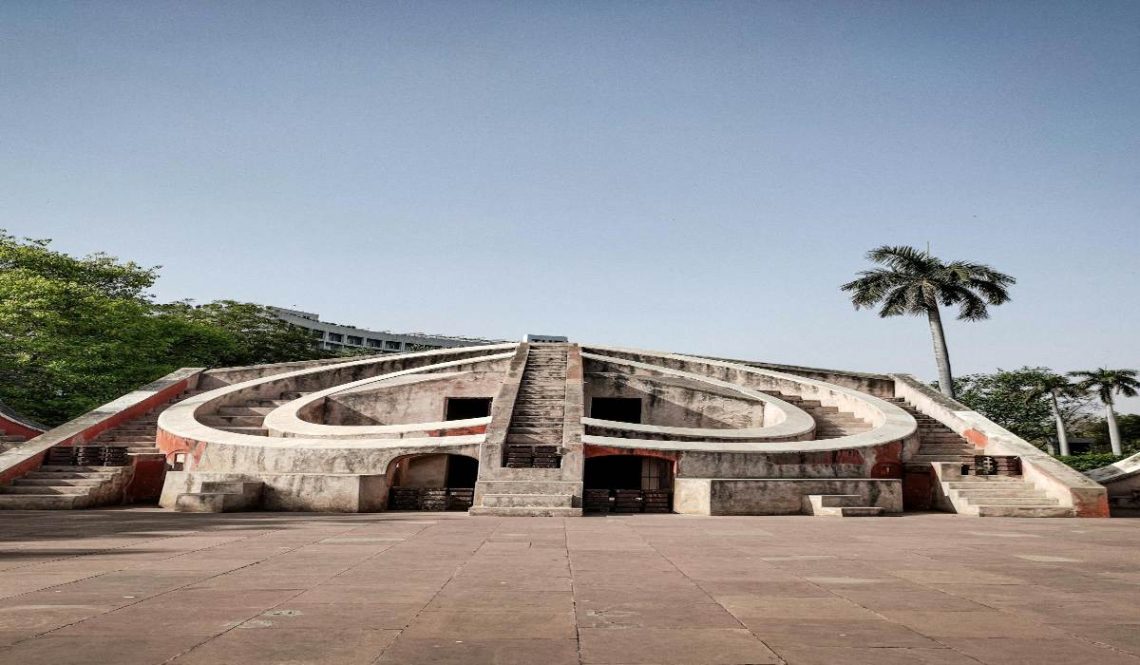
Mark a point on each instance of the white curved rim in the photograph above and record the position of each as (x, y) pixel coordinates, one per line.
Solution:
(795, 422)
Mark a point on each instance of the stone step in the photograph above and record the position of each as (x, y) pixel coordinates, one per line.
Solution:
(834, 500)
(1039, 500)
(44, 489)
(42, 502)
(58, 482)
(107, 470)
(984, 482)
(921, 458)
(1010, 493)
(245, 410)
(534, 439)
(528, 500)
(231, 421)
(503, 511)
(1025, 511)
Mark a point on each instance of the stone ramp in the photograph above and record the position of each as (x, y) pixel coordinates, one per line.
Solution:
(90, 474)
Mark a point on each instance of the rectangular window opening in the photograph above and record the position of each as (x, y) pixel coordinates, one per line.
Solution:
(464, 408)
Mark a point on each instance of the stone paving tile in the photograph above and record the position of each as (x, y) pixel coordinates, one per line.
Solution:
(481, 651)
(273, 646)
(654, 614)
(779, 634)
(149, 587)
(672, 646)
(873, 656)
(1008, 651)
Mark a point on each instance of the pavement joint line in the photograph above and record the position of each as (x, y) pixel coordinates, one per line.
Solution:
(573, 593)
(697, 584)
(455, 571)
(299, 592)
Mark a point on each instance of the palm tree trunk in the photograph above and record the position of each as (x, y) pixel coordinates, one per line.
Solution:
(1062, 435)
(941, 353)
(1113, 429)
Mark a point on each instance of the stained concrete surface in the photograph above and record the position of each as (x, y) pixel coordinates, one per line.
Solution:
(142, 586)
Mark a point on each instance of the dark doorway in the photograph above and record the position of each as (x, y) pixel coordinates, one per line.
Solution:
(465, 408)
(620, 409)
(461, 471)
(628, 484)
(613, 472)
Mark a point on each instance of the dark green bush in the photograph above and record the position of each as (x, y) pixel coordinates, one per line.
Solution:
(1090, 461)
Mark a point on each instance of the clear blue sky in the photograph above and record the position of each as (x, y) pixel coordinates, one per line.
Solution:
(693, 176)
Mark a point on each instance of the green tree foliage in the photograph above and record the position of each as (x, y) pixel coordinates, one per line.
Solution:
(1090, 461)
(1097, 430)
(78, 332)
(1014, 400)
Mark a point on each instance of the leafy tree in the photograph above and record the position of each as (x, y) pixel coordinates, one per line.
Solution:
(1053, 387)
(1014, 399)
(78, 332)
(1106, 384)
(1128, 424)
(251, 334)
(915, 283)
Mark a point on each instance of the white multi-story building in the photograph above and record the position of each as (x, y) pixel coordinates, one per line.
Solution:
(337, 337)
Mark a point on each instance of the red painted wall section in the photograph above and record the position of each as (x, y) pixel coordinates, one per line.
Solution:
(13, 428)
(975, 437)
(590, 450)
(459, 431)
(17, 471)
(146, 481)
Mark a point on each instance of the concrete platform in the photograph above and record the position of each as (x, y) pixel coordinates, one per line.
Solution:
(140, 586)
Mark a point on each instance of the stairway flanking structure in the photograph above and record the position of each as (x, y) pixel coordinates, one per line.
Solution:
(531, 461)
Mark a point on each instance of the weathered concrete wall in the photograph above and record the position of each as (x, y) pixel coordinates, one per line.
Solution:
(883, 461)
(338, 493)
(421, 401)
(674, 402)
(425, 471)
(768, 496)
(879, 385)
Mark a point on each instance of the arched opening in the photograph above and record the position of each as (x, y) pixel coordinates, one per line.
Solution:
(433, 482)
(628, 484)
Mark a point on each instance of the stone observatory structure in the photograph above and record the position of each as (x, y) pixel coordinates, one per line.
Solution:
(545, 429)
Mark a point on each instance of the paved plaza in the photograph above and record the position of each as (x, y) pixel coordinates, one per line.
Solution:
(142, 586)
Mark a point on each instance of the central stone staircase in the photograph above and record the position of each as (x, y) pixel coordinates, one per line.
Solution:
(534, 438)
(531, 479)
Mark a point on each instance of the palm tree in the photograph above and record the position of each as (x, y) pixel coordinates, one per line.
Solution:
(1105, 383)
(914, 282)
(1054, 386)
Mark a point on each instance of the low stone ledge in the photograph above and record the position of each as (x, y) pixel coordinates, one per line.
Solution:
(777, 496)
